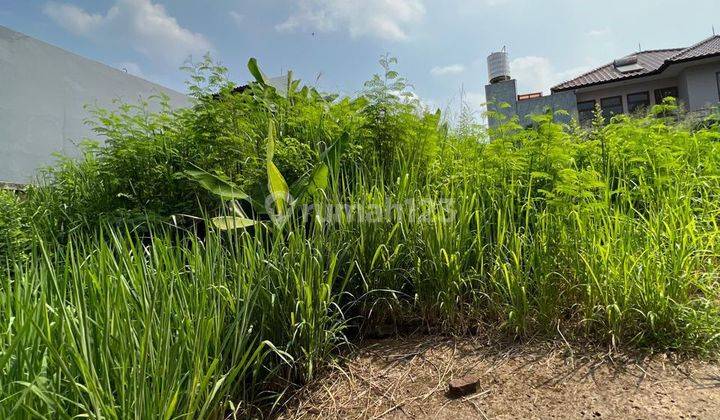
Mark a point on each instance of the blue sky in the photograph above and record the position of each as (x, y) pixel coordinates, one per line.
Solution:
(441, 44)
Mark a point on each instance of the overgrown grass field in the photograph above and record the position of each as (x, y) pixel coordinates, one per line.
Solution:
(148, 280)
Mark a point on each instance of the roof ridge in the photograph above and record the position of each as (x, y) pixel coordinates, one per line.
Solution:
(663, 50)
(659, 50)
(692, 47)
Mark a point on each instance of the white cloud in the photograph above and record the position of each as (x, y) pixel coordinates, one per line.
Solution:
(476, 7)
(447, 70)
(599, 33)
(145, 25)
(537, 74)
(385, 19)
(572, 73)
(533, 73)
(474, 98)
(72, 18)
(238, 18)
(494, 2)
(475, 102)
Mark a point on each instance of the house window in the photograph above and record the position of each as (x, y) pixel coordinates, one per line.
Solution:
(661, 94)
(717, 76)
(585, 111)
(636, 101)
(611, 106)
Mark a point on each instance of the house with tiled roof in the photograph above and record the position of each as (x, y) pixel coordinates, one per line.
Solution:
(628, 84)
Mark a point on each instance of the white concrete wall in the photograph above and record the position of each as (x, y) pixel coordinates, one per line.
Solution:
(43, 91)
(702, 85)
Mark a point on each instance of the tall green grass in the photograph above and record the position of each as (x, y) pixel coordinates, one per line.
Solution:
(607, 234)
(116, 326)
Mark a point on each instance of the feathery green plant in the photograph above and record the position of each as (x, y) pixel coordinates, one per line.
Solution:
(606, 233)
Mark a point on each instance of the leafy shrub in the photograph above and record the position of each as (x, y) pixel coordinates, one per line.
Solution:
(137, 173)
(607, 233)
(14, 228)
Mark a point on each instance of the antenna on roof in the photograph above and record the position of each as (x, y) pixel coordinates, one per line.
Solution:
(639, 47)
(713, 29)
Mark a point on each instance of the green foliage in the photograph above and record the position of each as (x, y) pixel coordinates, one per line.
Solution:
(282, 197)
(397, 128)
(107, 327)
(138, 173)
(14, 228)
(607, 233)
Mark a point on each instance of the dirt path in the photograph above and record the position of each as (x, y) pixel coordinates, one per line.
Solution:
(407, 379)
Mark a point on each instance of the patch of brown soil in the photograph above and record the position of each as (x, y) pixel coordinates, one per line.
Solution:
(408, 379)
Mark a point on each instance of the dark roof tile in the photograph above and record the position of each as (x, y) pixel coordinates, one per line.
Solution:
(652, 61)
(710, 46)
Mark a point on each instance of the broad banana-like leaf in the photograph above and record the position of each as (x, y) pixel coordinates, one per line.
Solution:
(237, 210)
(233, 222)
(278, 188)
(276, 182)
(223, 188)
(270, 142)
(256, 72)
(294, 85)
(317, 180)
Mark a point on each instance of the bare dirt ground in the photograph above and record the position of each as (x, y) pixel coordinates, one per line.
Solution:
(407, 378)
